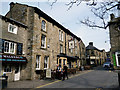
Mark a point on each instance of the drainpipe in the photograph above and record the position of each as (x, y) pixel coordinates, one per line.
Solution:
(65, 43)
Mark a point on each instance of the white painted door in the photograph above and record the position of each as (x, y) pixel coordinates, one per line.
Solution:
(17, 73)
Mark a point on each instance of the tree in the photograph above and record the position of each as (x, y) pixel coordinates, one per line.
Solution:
(101, 10)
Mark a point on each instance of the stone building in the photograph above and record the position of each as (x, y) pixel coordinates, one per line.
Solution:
(48, 42)
(114, 30)
(95, 56)
(13, 49)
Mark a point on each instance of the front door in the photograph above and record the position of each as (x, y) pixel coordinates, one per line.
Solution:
(17, 73)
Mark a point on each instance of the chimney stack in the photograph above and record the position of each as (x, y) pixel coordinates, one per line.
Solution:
(12, 5)
(91, 43)
(112, 16)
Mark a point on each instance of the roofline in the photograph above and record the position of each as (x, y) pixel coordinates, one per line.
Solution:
(12, 20)
(38, 11)
(95, 49)
(47, 17)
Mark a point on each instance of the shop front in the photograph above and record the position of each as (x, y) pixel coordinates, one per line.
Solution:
(70, 61)
(13, 66)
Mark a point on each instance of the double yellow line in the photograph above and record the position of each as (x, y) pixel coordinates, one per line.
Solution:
(60, 80)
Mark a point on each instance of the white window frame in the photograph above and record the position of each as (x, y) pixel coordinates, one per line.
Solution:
(43, 25)
(116, 54)
(46, 61)
(14, 30)
(38, 59)
(10, 67)
(9, 47)
(76, 51)
(61, 48)
(71, 50)
(59, 34)
(43, 42)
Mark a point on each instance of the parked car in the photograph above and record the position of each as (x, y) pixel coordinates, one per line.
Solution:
(107, 65)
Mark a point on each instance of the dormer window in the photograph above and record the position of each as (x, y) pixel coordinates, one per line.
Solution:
(12, 28)
(43, 26)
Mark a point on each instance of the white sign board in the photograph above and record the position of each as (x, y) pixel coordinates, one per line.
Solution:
(48, 73)
(71, 44)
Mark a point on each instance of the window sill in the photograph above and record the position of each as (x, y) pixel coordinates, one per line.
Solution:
(43, 48)
(8, 72)
(45, 68)
(61, 41)
(43, 30)
(9, 53)
(38, 69)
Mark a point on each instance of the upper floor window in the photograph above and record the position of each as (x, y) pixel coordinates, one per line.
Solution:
(9, 47)
(61, 48)
(60, 35)
(12, 28)
(43, 26)
(76, 50)
(38, 62)
(46, 62)
(71, 50)
(92, 52)
(43, 41)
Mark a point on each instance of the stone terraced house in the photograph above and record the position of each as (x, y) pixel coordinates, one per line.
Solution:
(13, 49)
(95, 56)
(114, 30)
(47, 42)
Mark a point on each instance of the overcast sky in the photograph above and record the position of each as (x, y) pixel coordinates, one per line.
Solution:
(70, 20)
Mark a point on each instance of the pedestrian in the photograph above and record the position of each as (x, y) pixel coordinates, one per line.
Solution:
(58, 72)
(65, 74)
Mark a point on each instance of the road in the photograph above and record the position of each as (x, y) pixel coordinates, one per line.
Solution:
(97, 78)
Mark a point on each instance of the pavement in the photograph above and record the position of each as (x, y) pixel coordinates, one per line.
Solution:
(39, 83)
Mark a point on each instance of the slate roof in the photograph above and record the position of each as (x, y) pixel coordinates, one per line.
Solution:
(44, 15)
(13, 21)
(90, 47)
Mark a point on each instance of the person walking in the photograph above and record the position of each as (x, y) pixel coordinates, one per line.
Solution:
(65, 74)
(58, 72)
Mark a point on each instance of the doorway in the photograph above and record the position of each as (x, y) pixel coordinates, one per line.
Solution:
(17, 73)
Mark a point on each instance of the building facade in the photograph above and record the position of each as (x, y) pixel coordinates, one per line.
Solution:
(13, 49)
(114, 30)
(48, 42)
(95, 56)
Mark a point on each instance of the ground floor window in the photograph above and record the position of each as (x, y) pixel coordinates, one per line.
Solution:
(117, 58)
(46, 62)
(64, 60)
(7, 68)
(38, 62)
(60, 63)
